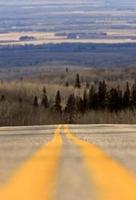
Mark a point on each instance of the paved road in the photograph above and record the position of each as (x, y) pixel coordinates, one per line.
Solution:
(76, 162)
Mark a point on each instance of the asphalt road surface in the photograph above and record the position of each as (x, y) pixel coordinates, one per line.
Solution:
(75, 162)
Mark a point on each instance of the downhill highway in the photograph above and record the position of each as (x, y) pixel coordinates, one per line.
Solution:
(68, 162)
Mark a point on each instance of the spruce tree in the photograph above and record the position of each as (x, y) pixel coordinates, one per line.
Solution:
(45, 101)
(2, 98)
(120, 98)
(133, 95)
(20, 100)
(126, 97)
(67, 70)
(92, 98)
(44, 90)
(35, 101)
(115, 99)
(71, 108)
(102, 91)
(77, 81)
(80, 105)
(112, 99)
(85, 100)
(67, 84)
(58, 107)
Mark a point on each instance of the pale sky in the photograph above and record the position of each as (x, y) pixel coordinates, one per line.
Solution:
(120, 3)
(42, 1)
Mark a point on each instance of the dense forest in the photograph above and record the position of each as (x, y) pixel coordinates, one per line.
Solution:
(78, 54)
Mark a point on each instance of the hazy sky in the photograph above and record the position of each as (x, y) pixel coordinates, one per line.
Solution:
(42, 1)
(120, 3)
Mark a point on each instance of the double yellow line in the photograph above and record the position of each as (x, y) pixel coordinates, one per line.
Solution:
(35, 180)
(113, 182)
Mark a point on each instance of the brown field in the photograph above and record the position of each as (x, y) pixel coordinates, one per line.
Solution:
(12, 38)
(40, 38)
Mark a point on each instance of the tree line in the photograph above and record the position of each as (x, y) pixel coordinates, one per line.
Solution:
(94, 97)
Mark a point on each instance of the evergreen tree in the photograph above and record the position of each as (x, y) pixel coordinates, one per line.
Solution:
(2, 98)
(126, 97)
(85, 100)
(71, 108)
(45, 101)
(92, 98)
(112, 99)
(77, 81)
(115, 99)
(133, 95)
(67, 84)
(67, 70)
(80, 105)
(44, 90)
(102, 92)
(57, 106)
(35, 101)
(120, 98)
(20, 100)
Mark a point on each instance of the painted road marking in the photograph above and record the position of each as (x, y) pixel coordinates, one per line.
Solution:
(113, 182)
(35, 179)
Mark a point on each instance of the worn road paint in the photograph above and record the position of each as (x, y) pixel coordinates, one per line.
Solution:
(113, 182)
(35, 179)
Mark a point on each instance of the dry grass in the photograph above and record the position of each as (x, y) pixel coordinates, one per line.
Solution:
(56, 74)
(114, 76)
(14, 113)
(106, 117)
(28, 90)
(12, 38)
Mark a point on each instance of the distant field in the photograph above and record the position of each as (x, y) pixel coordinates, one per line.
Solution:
(39, 38)
(14, 38)
(89, 21)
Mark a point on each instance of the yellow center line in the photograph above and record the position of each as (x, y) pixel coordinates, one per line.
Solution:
(113, 181)
(35, 179)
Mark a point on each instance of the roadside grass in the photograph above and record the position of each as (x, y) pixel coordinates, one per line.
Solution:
(27, 90)
(14, 113)
(106, 117)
